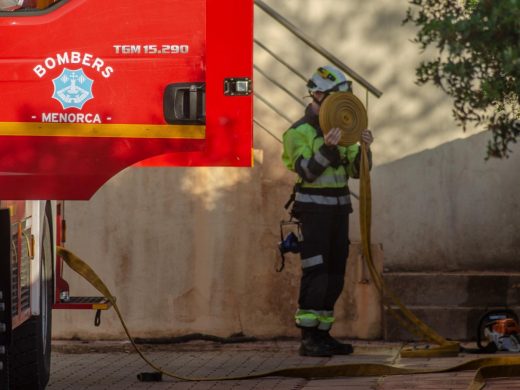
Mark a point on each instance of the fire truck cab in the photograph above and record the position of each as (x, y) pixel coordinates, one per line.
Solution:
(92, 88)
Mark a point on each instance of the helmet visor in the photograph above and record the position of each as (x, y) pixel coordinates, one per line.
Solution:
(327, 80)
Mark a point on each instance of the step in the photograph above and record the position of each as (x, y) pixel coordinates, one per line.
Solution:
(455, 323)
(450, 303)
(476, 289)
(83, 303)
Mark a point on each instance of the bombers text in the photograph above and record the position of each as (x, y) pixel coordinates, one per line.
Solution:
(73, 57)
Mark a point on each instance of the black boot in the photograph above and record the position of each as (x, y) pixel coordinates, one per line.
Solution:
(337, 347)
(313, 345)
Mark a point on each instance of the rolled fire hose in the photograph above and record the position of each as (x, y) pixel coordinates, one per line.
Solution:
(344, 110)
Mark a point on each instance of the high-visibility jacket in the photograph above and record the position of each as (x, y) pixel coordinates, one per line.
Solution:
(323, 171)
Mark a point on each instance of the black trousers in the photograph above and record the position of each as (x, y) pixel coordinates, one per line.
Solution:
(325, 234)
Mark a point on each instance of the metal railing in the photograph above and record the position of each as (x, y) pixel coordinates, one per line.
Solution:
(317, 48)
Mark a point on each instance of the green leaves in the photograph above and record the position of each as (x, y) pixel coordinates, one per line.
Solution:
(478, 64)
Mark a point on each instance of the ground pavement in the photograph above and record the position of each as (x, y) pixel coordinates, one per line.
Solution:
(114, 366)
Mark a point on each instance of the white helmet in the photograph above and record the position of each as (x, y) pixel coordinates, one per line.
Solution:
(329, 79)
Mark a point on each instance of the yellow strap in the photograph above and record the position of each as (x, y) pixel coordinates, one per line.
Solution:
(405, 316)
(101, 130)
(487, 367)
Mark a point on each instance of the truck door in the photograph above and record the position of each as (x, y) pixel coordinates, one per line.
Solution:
(90, 87)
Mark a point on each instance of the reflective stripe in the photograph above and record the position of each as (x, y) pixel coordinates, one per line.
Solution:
(327, 313)
(307, 318)
(321, 199)
(321, 159)
(324, 326)
(88, 130)
(304, 164)
(329, 181)
(326, 320)
(323, 320)
(312, 261)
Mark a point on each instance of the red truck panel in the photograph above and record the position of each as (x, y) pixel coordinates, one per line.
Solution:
(82, 87)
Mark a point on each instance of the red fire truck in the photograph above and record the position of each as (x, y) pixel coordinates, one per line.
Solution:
(88, 88)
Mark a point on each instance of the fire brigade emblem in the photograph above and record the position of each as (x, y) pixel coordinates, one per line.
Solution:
(72, 88)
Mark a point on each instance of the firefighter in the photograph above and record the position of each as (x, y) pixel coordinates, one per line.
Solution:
(322, 205)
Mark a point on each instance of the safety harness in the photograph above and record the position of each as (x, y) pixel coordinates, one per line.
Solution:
(291, 241)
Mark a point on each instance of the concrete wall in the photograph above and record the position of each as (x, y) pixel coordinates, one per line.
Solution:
(446, 209)
(194, 250)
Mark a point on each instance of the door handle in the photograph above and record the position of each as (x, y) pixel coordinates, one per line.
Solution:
(185, 103)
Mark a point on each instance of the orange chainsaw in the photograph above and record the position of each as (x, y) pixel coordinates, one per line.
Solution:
(500, 328)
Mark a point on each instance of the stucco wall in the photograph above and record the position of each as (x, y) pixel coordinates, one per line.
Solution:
(369, 37)
(194, 250)
(198, 258)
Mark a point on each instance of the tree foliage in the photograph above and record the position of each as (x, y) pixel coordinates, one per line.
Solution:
(478, 62)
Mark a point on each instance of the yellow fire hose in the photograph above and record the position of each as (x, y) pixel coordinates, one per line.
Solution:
(486, 367)
(343, 109)
(405, 317)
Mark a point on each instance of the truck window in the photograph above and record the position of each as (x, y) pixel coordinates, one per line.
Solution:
(21, 5)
